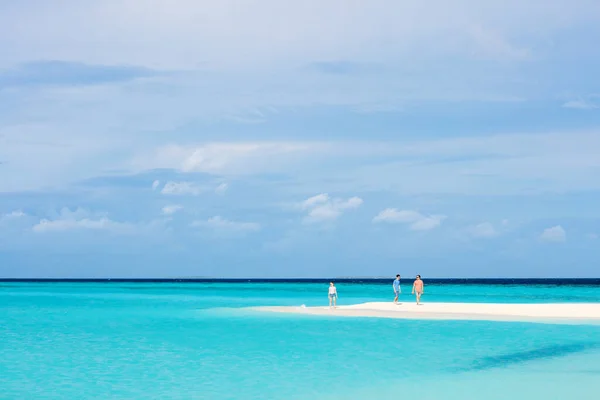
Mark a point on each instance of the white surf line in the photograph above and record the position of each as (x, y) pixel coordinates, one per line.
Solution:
(559, 312)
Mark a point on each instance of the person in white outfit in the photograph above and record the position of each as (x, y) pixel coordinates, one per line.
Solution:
(332, 295)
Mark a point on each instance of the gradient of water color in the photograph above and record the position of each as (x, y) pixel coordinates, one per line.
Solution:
(198, 341)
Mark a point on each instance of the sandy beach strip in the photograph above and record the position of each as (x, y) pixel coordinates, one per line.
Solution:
(552, 313)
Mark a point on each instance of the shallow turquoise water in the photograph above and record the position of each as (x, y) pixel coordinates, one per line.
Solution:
(187, 341)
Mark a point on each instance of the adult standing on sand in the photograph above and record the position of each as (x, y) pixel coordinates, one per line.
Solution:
(396, 286)
(418, 288)
(332, 295)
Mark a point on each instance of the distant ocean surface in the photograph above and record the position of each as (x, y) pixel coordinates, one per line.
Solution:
(198, 340)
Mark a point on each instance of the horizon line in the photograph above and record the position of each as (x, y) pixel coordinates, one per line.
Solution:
(246, 279)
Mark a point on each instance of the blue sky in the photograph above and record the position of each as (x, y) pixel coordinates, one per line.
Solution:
(299, 139)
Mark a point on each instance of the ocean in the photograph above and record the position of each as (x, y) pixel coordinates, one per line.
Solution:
(199, 340)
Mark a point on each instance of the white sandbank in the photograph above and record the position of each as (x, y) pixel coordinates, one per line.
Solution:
(553, 313)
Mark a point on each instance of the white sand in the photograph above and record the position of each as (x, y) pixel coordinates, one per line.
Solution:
(556, 313)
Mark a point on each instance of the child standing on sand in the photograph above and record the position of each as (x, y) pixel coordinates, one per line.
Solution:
(418, 288)
(332, 295)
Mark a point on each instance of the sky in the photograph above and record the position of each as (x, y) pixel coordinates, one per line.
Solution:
(306, 138)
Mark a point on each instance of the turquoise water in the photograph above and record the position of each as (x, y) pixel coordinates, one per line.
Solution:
(198, 341)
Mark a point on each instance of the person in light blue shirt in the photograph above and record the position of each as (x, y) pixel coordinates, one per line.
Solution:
(396, 286)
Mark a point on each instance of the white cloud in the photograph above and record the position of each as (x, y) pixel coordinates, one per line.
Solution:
(315, 200)
(226, 157)
(393, 215)
(221, 224)
(323, 208)
(483, 230)
(415, 220)
(427, 223)
(80, 220)
(222, 188)
(181, 188)
(171, 209)
(155, 185)
(46, 225)
(554, 234)
(218, 157)
(13, 215)
(581, 105)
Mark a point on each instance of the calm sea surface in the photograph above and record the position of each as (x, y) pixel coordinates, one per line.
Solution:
(160, 340)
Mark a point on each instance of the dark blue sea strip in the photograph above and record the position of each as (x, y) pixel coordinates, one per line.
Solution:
(444, 281)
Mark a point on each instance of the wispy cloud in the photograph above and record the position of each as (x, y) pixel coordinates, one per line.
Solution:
(483, 230)
(323, 208)
(221, 224)
(181, 189)
(223, 157)
(80, 220)
(155, 184)
(13, 215)
(315, 200)
(581, 104)
(402, 27)
(171, 209)
(504, 163)
(414, 219)
(222, 188)
(554, 234)
(69, 74)
(490, 165)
